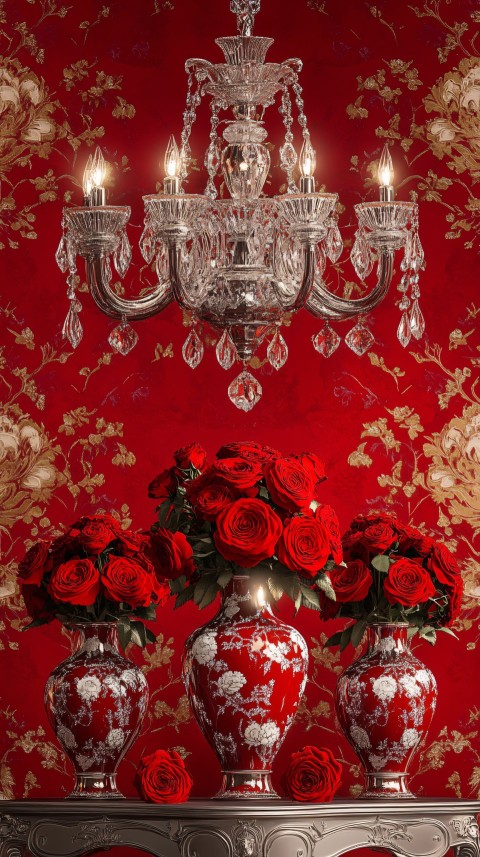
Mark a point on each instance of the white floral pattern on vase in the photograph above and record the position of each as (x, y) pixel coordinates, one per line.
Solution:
(96, 700)
(385, 703)
(245, 674)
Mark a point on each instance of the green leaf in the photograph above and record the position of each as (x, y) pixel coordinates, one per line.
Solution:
(448, 631)
(358, 631)
(275, 588)
(163, 513)
(202, 586)
(124, 632)
(310, 599)
(148, 614)
(325, 584)
(139, 633)
(209, 595)
(224, 577)
(263, 493)
(345, 637)
(382, 563)
(177, 585)
(186, 595)
(334, 640)
(151, 637)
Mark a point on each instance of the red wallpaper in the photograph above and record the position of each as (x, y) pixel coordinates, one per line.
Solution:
(397, 429)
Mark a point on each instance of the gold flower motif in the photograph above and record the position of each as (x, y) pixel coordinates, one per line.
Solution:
(453, 476)
(455, 131)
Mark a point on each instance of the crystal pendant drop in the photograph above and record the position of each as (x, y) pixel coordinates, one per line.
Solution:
(245, 391)
(226, 351)
(319, 261)
(407, 255)
(147, 244)
(361, 257)
(71, 251)
(334, 243)
(359, 339)
(277, 351)
(123, 255)
(326, 341)
(404, 331)
(61, 257)
(72, 326)
(288, 157)
(193, 349)
(417, 321)
(418, 257)
(123, 338)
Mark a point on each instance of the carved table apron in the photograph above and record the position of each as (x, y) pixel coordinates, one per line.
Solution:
(411, 828)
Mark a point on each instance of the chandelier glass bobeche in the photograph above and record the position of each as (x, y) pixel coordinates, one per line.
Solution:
(243, 263)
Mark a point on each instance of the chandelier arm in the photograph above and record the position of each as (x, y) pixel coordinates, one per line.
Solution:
(111, 304)
(307, 285)
(179, 293)
(334, 308)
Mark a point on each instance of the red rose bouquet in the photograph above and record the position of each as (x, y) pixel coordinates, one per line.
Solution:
(95, 572)
(393, 573)
(251, 509)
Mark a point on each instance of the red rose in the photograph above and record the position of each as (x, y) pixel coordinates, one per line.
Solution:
(190, 456)
(313, 774)
(76, 581)
(164, 486)
(443, 565)
(126, 580)
(289, 484)
(247, 532)
(424, 545)
(132, 543)
(239, 472)
(95, 533)
(163, 778)
(351, 583)
(379, 537)
(209, 495)
(38, 603)
(361, 522)
(408, 583)
(251, 451)
(328, 609)
(162, 592)
(328, 518)
(304, 545)
(172, 554)
(34, 564)
(315, 466)
(455, 601)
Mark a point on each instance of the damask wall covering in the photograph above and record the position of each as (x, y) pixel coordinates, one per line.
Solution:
(398, 429)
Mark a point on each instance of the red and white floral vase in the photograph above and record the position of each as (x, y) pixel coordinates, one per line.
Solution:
(385, 702)
(245, 673)
(96, 700)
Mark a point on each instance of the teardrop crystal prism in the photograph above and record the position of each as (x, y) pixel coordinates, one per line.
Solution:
(277, 351)
(288, 157)
(361, 256)
(418, 257)
(193, 349)
(72, 326)
(147, 244)
(320, 262)
(245, 391)
(334, 243)
(123, 255)
(417, 321)
(407, 254)
(123, 338)
(61, 257)
(404, 331)
(359, 339)
(71, 253)
(326, 341)
(226, 351)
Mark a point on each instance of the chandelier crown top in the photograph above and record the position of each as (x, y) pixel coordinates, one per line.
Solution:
(245, 10)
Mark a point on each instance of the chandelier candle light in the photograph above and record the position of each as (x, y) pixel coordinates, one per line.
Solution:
(242, 263)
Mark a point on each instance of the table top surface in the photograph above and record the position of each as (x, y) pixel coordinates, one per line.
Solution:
(245, 808)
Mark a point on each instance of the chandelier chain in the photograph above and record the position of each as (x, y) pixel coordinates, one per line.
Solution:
(245, 10)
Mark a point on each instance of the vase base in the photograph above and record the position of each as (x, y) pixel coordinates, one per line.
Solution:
(386, 786)
(96, 786)
(246, 784)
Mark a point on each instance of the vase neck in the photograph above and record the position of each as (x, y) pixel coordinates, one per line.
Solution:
(97, 637)
(242, 596)
(388, 637)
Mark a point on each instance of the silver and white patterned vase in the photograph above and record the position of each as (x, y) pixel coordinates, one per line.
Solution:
(385, 702)
(96, 700)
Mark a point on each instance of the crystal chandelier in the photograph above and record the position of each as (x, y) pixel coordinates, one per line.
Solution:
(242, 263)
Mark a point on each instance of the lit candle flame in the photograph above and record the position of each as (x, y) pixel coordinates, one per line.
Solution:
(95, 172)
(172, 159)
(261, 601)
(385, 168)
(307, 159)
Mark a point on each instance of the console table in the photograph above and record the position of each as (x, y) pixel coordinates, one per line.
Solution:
(411, 828)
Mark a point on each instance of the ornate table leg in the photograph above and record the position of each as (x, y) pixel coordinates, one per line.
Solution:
(466, 829)
(13, 836)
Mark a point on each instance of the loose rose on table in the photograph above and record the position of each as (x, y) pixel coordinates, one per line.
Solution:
(162, 777)
(250, 510)
(393, 573)
(95, 572)
(313, 774)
